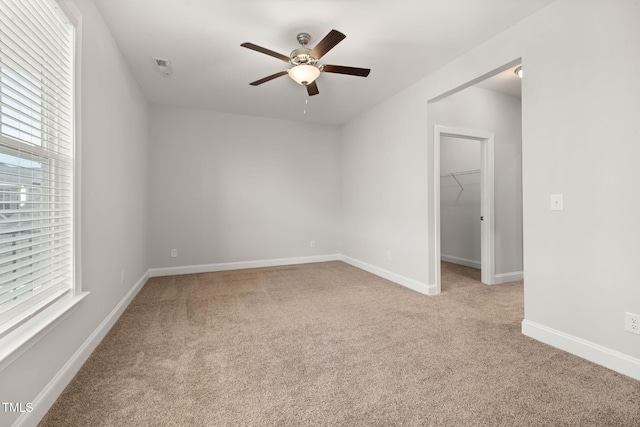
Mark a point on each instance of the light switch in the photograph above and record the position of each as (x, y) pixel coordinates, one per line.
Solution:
(557, 202)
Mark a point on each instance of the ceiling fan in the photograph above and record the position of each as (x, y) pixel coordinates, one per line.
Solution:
(305, 68)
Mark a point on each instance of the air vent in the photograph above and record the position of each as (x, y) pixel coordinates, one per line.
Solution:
(163, 66)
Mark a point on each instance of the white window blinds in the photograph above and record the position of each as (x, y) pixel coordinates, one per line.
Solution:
(36, 158)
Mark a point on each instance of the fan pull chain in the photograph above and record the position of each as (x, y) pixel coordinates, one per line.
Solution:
(304, 111)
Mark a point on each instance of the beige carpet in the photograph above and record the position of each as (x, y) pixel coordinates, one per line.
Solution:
(329, 344)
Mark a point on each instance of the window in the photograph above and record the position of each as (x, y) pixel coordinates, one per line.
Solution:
(36, 159)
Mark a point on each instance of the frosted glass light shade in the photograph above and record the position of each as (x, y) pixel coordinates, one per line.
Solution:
(304, 74)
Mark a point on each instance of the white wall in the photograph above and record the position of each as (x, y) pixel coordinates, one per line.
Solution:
(580, 135)
(581, 132)
(486, 110)
(460, 201)
(114, 209)
(232, 188)
(384, 197)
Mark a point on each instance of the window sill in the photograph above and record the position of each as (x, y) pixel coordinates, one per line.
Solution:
(14, 344)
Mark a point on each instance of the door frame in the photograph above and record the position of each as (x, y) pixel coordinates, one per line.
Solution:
(487, 202)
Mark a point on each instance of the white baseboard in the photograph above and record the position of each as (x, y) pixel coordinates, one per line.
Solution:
(508, 277)
(47, 397)
(226, 266)
(461, 261)
(210, 268)
(412, 284)
(614, 360)
(498, 278)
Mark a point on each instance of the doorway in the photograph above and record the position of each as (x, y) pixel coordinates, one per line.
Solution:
(486, 218)
(487, 107)
(460, 203)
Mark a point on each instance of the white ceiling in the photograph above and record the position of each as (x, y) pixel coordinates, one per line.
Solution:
(401, 41)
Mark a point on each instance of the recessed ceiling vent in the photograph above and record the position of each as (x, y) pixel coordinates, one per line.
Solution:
(163, 66)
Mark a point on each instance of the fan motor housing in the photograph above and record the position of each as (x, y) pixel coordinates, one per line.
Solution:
(301, 56)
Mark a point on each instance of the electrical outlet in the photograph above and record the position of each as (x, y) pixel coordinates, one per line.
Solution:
(632, 323)
(312, 244)
(122, 277)
(174, 253)
(388, 255)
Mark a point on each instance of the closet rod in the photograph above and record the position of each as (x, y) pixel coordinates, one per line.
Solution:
(454, 174)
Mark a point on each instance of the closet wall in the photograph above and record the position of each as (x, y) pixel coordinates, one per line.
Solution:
(460, 201)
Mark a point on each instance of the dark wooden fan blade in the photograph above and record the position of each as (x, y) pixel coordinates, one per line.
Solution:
(266, 79)
(327, 43)
(312, 89)
(352, 71)
(265, 51)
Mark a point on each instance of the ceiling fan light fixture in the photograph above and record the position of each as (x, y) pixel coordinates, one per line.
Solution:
(305, 68)
(304, 74)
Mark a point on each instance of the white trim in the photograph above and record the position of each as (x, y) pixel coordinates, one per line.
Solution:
(501, 278)
(407, 282)
(619, 362)
(226, 266)
(71, 10)
(33, 330)
(48, 395)
(487, 200)
(498, 278)
(461, 261)
(435, 191)
(415, 285)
